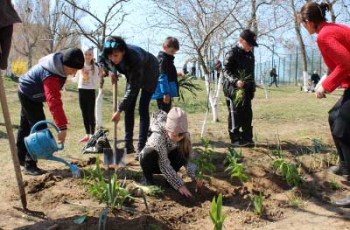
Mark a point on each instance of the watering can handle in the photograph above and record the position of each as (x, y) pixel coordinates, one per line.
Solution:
(50, 123)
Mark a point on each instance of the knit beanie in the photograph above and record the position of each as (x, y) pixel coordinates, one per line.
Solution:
(176, 121)
(73, 58)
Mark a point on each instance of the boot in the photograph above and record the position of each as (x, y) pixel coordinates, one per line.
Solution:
(235, 139)
(129, 148)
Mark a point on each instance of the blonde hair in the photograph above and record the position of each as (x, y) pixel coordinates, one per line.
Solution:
(185, 145)
(92, 63)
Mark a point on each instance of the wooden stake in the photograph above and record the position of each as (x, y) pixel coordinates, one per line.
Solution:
(11, 138)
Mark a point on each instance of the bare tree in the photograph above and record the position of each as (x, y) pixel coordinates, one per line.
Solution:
(202, 25)
(104, 26)
(295, 5)
(30, 30)
(58, 31)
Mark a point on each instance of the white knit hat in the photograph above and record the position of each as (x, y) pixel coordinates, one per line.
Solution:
(176, 121)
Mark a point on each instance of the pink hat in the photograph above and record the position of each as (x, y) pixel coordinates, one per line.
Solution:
(176, 121)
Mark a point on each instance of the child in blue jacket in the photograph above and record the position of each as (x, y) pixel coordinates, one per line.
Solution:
(168, 86)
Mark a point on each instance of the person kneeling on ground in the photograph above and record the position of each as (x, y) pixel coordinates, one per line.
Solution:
(168, 148)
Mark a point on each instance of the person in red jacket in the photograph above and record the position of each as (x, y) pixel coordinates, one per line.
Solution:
(333, 41)
(41, 83)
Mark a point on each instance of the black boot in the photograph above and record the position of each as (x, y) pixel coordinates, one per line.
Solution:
(247, 137)
(129, 148)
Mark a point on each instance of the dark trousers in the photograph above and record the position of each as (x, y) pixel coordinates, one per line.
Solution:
(165, 107)
(243, 116)
(87, 107)
(5, 45)
(31, 113)
(149, 161)
(145, 99)
(339, 122)
(274, 80)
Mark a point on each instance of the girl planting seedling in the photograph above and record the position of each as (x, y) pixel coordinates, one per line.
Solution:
(168, 148)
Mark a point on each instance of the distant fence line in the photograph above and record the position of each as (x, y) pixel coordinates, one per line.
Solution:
(290, 68)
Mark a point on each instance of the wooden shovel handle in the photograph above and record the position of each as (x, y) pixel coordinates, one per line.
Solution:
(11, 138)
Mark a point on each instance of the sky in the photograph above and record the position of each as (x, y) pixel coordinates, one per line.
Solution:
(136, 29)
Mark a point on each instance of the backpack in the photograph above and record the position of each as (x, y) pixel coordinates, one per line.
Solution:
(97, 142)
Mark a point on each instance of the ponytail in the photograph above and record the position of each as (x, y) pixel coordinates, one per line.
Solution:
(314, 12)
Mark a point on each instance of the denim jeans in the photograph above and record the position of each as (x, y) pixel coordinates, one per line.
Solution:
(129, 123)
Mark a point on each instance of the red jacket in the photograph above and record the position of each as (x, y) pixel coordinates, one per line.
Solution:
(52, 87)
(334, 43)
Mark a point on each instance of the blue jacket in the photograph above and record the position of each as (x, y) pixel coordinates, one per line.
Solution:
(167, 80)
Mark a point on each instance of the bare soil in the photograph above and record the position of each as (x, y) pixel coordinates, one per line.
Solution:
(61, 199)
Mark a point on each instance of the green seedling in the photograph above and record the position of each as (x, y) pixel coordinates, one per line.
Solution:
(333, 184)
(151, 190)
(240, 93)
(109, 192)
(237, 170)
(203, 161)
(216, 215)
(233, 155)
(317, 144)
(289, 171)
(258, 204)
(186, 84)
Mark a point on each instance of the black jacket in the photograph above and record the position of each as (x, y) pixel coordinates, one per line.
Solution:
(315, 78)
(166, 66)
(237, 60)
(141, 70)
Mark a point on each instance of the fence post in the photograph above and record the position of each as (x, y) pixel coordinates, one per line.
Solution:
(290, 68)
(296, 68)
(312, 60)
(284, 69)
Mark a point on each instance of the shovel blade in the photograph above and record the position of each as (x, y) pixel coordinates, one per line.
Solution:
(108, 157)
(119, 158)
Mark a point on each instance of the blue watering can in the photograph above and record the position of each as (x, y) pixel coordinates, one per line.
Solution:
(42, 145)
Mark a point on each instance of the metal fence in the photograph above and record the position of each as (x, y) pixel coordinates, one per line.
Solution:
(289, 67)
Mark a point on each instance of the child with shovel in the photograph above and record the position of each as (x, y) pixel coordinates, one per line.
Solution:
(41, 83)
(141, 70)
(168, 148)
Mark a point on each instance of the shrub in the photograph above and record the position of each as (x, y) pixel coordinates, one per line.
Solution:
(19, 67)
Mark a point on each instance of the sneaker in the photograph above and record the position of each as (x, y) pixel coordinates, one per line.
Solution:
(242, 143)
(245, 143)
(340, 169)
(84, 139)
(147, 181)
(345, 203)
(235, 144)
(33, 170)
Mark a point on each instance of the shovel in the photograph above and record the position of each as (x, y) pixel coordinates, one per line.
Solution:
(114, 156)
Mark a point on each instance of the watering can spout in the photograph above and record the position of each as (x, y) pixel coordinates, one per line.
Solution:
(75, 170)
